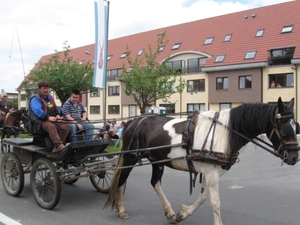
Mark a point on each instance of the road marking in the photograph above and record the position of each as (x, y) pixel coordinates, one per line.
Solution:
(5, 220)
(235, 187)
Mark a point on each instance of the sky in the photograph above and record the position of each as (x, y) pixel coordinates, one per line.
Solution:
(30, 29)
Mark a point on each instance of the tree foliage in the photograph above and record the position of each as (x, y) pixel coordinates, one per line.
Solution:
(63, 73)
(148, 80)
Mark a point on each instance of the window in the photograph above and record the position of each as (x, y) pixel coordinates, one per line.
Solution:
(227, 38)
(195, 65)
(169, 107)
(196, 85)
(175, 65)
(113, 109)
(109, 57)
(95, 93)
(281, 80)
(114, 72)
(113, 90)
(287, 29)
(281, 56)
(176, 46)
(260, 33)
(225, 106)
(220, 58)
(195, 106)
(245, 82)
(140, 52)
(222, 83)
(161, 48)
(208, 41)
(170, 86)
(23, 97)
(95, 109)
(123, 55)
(160, 34)
(250, 55)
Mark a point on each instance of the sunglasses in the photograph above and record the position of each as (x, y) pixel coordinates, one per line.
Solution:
(4, 95)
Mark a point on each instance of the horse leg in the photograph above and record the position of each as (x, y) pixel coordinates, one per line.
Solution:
(157, 172)
(213, 186)
(186, 211)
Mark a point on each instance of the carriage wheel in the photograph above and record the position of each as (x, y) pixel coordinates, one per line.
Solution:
(12, 174)
(45, 183)
(102, 180)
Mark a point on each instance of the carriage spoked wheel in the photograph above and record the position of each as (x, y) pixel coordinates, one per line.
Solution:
(102, 180)
(12, 174)
(45, 183)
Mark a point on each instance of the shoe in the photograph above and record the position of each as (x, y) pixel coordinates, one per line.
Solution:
(60, 148)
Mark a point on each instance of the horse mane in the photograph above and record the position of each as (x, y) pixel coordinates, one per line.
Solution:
(249, 119)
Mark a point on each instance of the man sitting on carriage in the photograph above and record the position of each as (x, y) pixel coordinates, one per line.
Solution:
(45, 115)
(5, 107)
(75, 114)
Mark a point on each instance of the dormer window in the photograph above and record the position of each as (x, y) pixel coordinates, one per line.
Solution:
(208, 41)
(123, 55)
(227, 38)
(140, 52)
(161, 48)
(250, 55)
(176, 46)
(287, 29)
(219, 58)
(259, 33)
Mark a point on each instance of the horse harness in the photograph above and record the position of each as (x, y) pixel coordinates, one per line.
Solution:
(203, 155)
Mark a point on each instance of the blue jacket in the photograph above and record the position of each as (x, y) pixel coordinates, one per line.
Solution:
(39, 106)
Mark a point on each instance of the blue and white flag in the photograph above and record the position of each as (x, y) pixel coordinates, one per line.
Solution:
(101, 42)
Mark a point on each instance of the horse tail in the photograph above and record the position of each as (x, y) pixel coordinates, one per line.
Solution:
(114, 193)
(125, 160)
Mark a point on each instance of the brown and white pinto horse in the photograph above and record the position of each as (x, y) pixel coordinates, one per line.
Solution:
(214, 137)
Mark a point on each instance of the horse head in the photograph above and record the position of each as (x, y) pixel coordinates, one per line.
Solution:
(283, 132)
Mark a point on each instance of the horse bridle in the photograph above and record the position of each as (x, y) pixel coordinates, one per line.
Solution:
(284, 146)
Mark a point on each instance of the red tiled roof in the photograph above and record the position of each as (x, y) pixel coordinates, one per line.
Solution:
(192, 35)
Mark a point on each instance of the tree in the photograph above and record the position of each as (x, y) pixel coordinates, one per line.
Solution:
(148, 80)
(63, 73)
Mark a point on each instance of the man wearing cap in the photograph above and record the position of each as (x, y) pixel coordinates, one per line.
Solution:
(5, 107)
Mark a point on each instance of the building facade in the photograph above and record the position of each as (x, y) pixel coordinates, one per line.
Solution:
(226, 60)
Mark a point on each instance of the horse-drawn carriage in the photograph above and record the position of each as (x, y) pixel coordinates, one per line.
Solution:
(207, 144)
(47, 170)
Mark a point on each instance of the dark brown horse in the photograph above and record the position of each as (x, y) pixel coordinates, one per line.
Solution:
(215, 141)
(11, 125)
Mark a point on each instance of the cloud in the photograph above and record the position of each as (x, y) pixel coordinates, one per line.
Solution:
(43, 26)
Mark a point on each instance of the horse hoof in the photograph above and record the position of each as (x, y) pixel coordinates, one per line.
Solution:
(178, 217)
(123, 216)
(171, 220)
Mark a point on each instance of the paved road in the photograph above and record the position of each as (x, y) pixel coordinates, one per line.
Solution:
(256, 191)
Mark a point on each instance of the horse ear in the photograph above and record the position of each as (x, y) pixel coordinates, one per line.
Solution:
(280, 105)
(291, 103)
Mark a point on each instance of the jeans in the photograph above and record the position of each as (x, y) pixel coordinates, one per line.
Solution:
(88, 134)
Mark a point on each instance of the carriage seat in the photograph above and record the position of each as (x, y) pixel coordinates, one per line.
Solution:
(40, 137)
